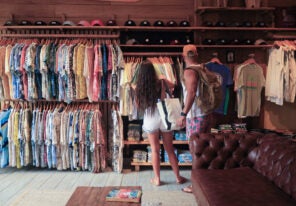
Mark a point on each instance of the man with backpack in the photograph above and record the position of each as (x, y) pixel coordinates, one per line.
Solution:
(196, 119)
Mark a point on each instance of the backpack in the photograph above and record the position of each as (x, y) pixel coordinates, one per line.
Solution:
(210, 89)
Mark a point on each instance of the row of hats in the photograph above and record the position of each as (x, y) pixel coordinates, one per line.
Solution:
(223, 41)
(161, 23)
(96, 22)
(160, 40)
(235, 24)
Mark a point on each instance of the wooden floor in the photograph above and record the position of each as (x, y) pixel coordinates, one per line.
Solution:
(14, 182)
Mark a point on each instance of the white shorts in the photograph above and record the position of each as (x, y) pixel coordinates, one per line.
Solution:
(152, 122)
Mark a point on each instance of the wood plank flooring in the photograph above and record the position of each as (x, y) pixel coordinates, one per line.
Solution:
(14, 182)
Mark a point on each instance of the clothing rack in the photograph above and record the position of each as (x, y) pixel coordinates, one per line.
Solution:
(59, 33)
(92, 36)
(57, 101)
(284, 37)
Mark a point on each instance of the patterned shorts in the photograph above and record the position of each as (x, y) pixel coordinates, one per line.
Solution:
(198, 124)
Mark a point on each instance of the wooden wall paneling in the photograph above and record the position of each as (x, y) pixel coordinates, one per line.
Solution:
(280, 117)
(285, 3)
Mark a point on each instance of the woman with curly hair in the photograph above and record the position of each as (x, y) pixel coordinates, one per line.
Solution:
(148, 90)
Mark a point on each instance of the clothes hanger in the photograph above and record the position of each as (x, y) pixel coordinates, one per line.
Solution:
(251, 59)
(215, 59)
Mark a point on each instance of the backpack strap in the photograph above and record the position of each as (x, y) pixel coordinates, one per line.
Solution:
(165, 89)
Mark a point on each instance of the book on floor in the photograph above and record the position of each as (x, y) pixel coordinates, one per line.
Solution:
(124, 195)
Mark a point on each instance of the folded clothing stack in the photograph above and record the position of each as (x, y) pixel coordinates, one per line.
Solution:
(139, 156)
(184, 156)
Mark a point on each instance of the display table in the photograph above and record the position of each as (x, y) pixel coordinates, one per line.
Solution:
(96, 196)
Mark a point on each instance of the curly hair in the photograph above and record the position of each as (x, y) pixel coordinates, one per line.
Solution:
(147, 86)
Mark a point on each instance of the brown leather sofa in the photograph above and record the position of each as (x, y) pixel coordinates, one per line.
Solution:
(243, 169)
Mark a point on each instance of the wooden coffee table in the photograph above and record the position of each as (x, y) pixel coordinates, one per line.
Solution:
(96, 196)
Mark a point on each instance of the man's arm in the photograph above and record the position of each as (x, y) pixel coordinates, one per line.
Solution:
(190, 80)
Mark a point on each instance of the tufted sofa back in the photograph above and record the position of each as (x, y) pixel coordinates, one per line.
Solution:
(276, 160)
(223, 151)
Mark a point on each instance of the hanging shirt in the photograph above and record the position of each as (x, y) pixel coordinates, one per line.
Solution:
(250, 83)
(275, 76)
(4, 151)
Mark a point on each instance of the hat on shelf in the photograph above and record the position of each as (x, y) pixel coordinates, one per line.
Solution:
(131, 41)
(160, 40)
(235, 41)
(158, 23)
(189, 50)
(69, 23)
(260, 42)
(175, 42)
(172, 23)
(111, 22)
(184, 23)
(55, 23)
(9, 23)
(248, 41)
(147, 40)
(40, 23)
(208, 41)
(83, 23)
(234, 24)
(130, 23)
(207, 23)
(220, 24)
(247, 24)
(221, 41)
(186, 40)
(97, 22)
(145, 23)
(260, 24)
(25, 22)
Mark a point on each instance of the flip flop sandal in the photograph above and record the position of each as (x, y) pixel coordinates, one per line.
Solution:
(187, 189)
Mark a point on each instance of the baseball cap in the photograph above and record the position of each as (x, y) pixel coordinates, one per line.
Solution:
(40, 23)
(158, 23)
(172, 23)
(25, 23)
(131, 41)
(97, 22)
(129, 23)
(260, 42)
(184, 23)
(111, 22)
(189, 50)
(83, 23)
(9, 23)
(69, 23)
(145, 23)
(54, 23)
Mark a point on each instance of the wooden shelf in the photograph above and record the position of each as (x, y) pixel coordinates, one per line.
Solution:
(126, 142)
(222, 9)
(141, 164)
(234, 46)
(204, 28)
(31, 27)
(143, 28)
(153, 45)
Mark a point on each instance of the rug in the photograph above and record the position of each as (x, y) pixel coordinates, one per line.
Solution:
(60, 198)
